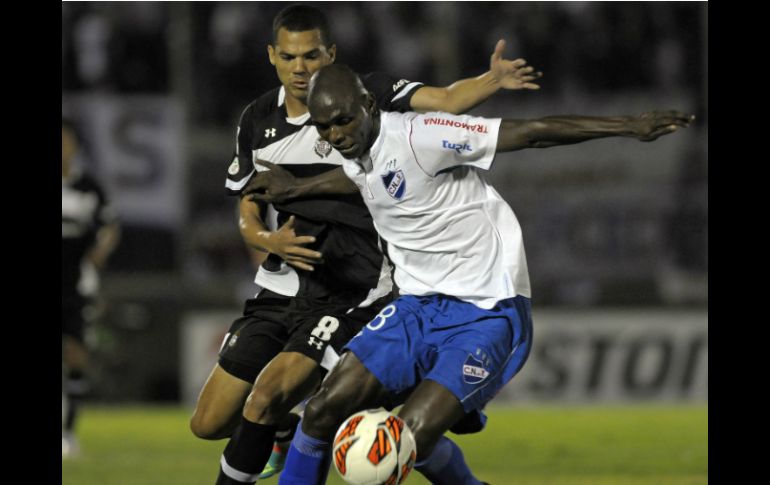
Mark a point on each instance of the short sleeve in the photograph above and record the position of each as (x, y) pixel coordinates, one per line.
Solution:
(392, 93)
(241, 167)
(442, 141)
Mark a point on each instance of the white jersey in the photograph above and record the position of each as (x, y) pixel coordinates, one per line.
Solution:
(447, 230)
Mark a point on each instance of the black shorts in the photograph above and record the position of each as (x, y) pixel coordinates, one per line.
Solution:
(73, 317)
(273, 323)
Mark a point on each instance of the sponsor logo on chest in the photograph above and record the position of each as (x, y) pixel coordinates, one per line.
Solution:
(458, 147)
(478, 127)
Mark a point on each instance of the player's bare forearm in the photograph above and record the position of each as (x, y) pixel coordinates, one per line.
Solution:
(251, 226)
(277, 184)
(456, 98)
(465, 94)
(283, 242)
(570, 129)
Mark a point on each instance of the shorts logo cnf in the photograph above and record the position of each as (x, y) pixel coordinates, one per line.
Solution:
(473, 370)
(395, 183)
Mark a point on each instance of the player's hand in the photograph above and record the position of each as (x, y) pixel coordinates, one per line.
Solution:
(512, 74)
(285, 243)
(650, 126)
(272, 185)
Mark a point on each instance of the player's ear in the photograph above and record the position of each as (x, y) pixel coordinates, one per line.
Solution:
(271, 54)
(332, 52)
(371, 103)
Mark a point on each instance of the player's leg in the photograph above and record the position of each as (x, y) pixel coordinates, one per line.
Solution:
(283, 437)
(350, 387)
(319, 329)
(251, 342)
(76, 386)
(220, 401)
(474, 359)
(284, 383)
(429, 412)
(75, 360)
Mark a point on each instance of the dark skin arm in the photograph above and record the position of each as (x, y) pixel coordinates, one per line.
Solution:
(277, 184)
(570, 129)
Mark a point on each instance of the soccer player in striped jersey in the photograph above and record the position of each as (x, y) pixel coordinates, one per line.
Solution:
(462, 327)
(89, 234)
(291, 332)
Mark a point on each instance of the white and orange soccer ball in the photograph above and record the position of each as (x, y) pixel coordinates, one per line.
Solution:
(374, 447)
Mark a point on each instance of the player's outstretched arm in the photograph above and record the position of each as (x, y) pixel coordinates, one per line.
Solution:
(277, 184)
(283, 242)
(464, 94)
(569, 129)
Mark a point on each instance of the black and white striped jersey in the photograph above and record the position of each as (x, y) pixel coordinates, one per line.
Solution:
(341, 223)
(84, 209)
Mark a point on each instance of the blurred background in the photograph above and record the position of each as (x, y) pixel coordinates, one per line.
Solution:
(615, 230)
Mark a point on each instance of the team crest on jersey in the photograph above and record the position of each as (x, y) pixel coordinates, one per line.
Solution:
(473, 370)
(232, 341)
(323, 148)
(234, 167)
(395, 183)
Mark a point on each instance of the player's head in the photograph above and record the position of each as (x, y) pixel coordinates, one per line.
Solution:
(69, 142)
(343, 111)
(301, 46)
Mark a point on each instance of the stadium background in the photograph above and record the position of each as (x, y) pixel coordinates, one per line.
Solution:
(615, 230)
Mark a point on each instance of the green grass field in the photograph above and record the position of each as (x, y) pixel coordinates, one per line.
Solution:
(521, 445)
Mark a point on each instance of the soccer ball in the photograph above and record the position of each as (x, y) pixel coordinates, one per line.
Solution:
(374, 447)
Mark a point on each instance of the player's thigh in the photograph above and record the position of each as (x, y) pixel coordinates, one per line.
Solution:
(430, 411)
(348, 388)
(257, 337)
(219, 405)
(74, 352)
(284, 382)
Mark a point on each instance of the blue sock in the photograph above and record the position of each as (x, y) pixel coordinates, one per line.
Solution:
(307, 462)
(446, 465)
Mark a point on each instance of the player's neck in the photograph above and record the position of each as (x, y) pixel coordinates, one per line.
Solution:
(294, 106)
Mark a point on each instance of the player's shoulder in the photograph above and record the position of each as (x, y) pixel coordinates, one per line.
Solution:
(262, 107)
(382, 82)
(399, 120)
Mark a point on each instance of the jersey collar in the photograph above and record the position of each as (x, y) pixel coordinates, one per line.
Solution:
(297, 120)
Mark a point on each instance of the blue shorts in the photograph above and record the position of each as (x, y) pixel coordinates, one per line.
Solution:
(471, 351)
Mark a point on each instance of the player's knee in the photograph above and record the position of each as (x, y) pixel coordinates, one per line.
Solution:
(266, 403)
(322, 416)
(204, 427)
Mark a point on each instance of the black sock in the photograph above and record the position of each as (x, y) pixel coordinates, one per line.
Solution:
(246, 453)
(77, 386)
(287, 428)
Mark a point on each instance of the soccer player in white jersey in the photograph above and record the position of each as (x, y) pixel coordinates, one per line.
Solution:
(275, 355)
(462, 327)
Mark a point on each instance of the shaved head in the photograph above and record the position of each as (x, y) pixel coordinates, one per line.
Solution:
(335, 83)
(343, 111)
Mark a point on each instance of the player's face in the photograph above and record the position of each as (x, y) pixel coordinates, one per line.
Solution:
(345, 123)
(296, 57)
